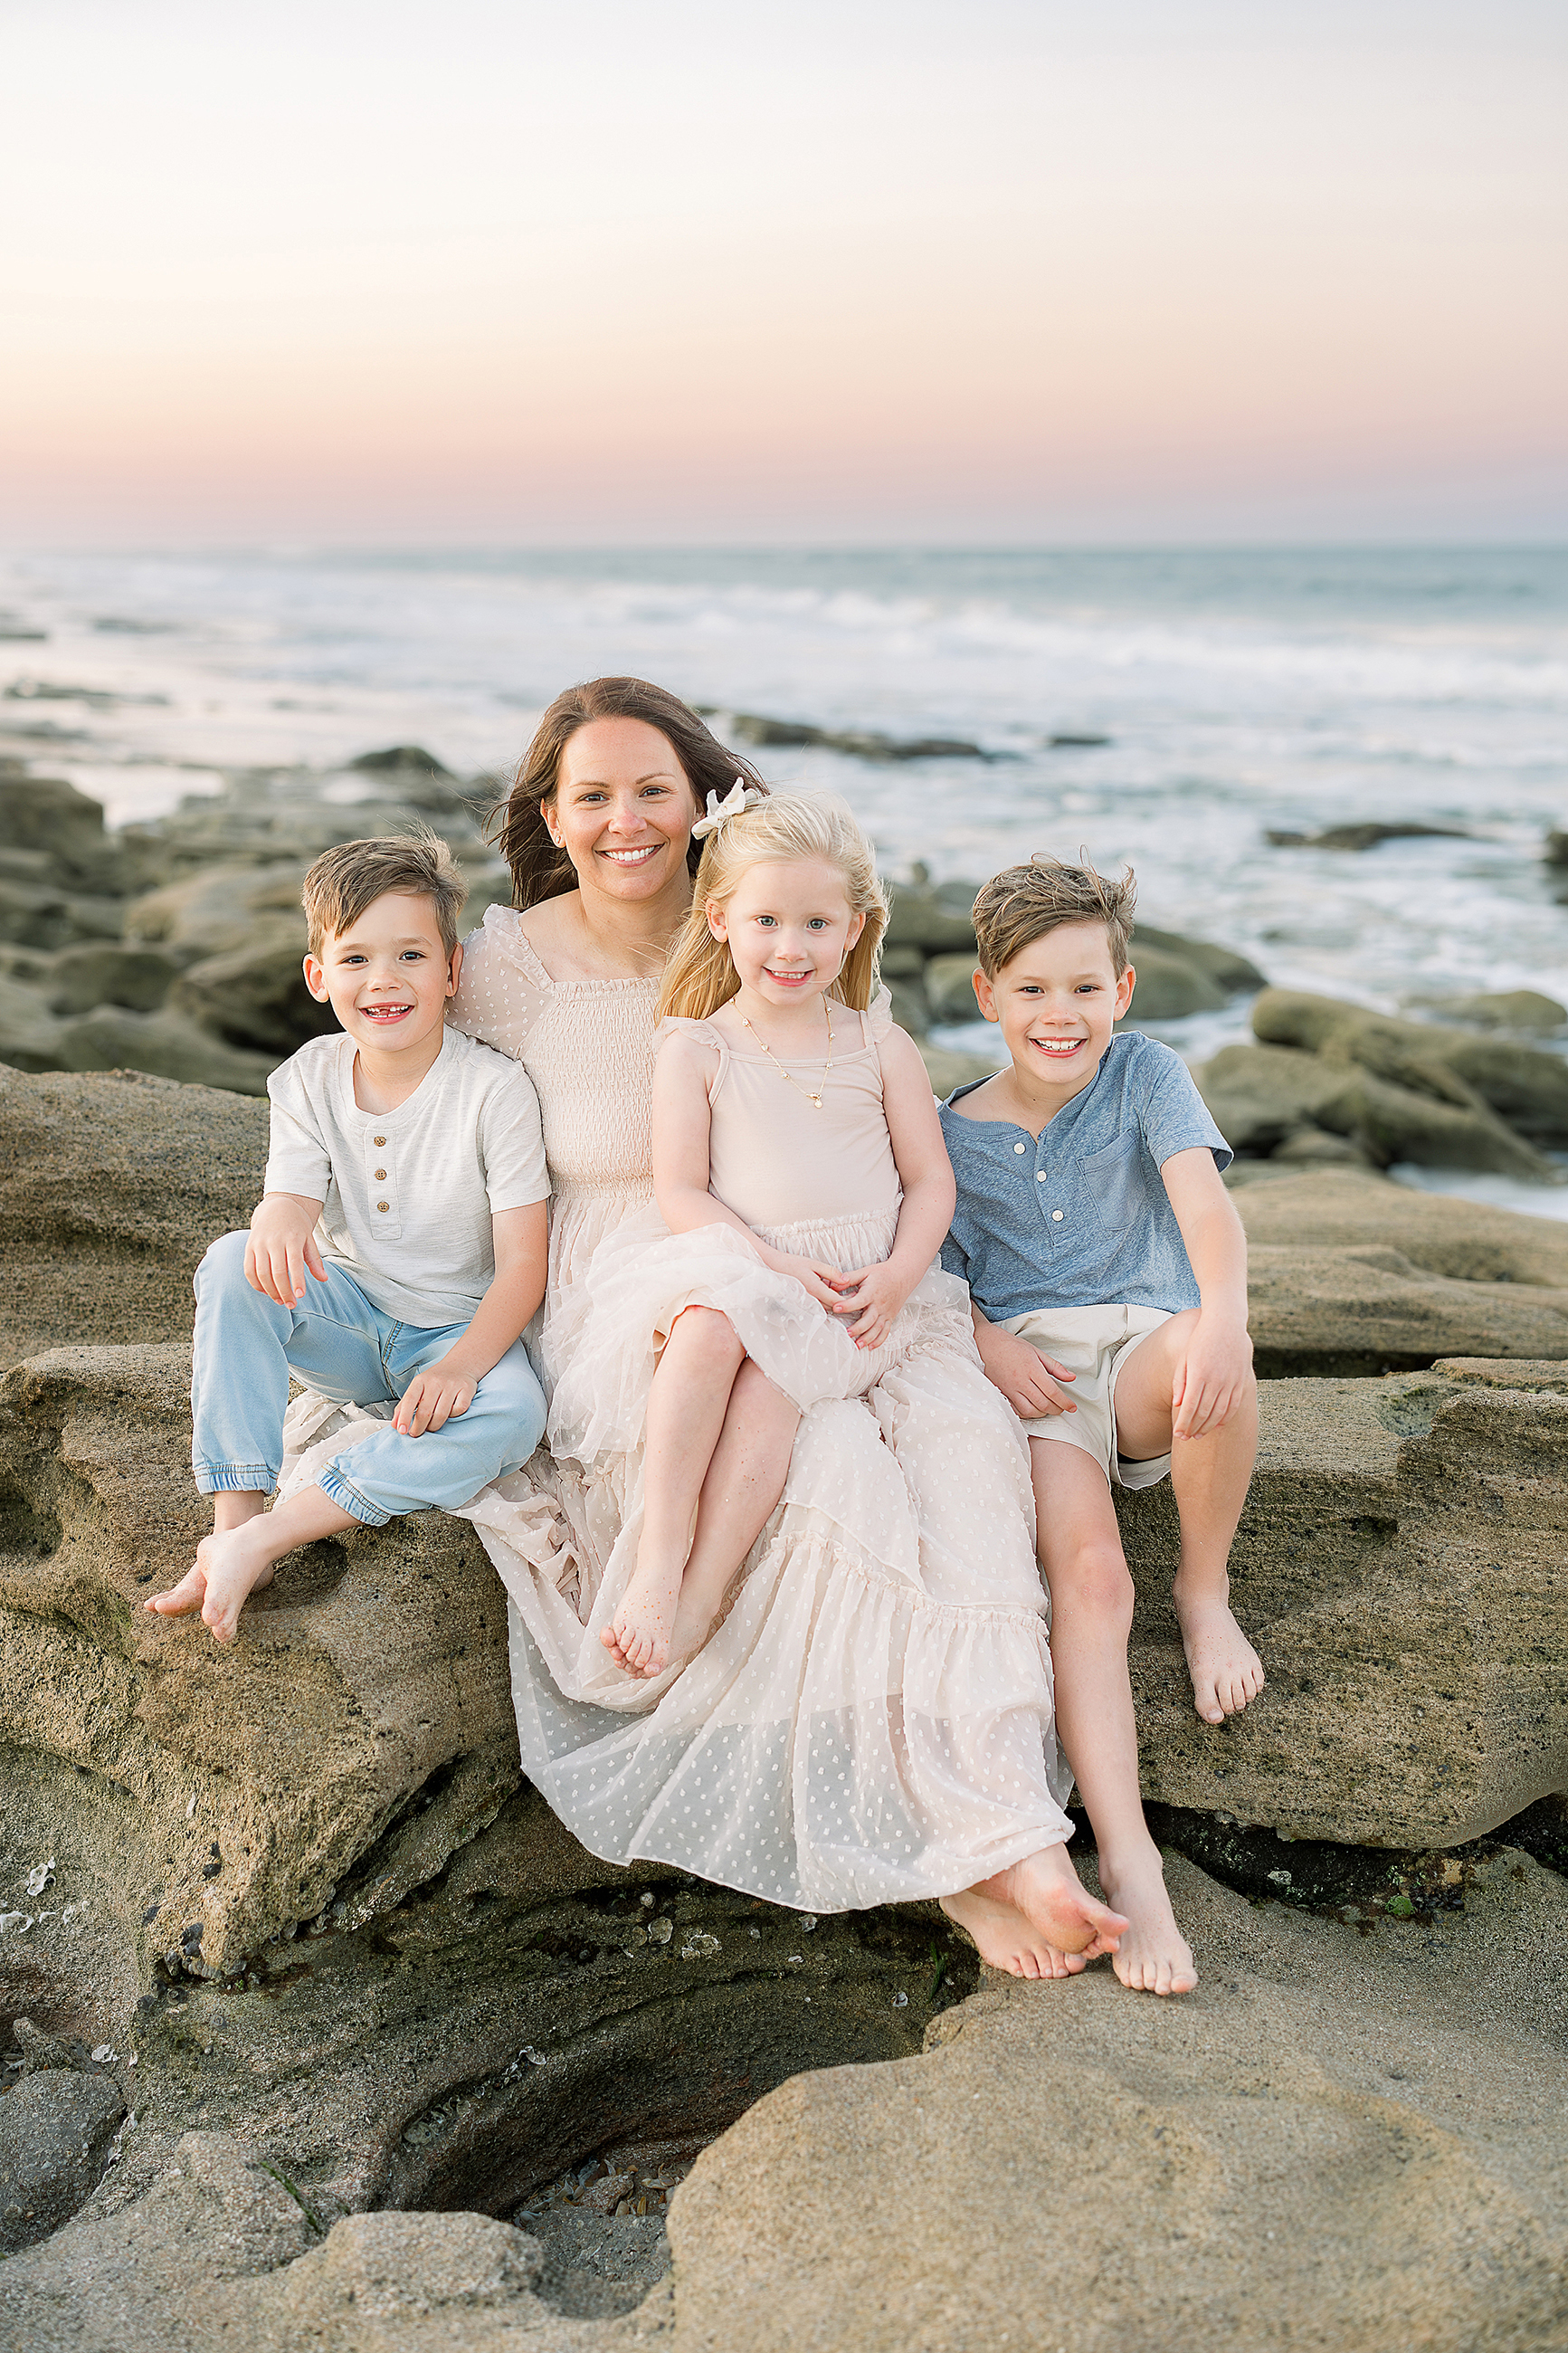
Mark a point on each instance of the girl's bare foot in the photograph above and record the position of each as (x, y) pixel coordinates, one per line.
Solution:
(1055, 1925)
(1226, 1672)
(637, 1636)
(229, 1568)
(1154, 1955)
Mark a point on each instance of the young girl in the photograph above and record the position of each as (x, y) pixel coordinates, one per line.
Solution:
(805, 1191)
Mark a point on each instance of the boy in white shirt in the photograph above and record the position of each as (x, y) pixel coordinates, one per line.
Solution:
(397, 1254)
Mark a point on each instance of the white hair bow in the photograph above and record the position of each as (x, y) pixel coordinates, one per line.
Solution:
(739, 797)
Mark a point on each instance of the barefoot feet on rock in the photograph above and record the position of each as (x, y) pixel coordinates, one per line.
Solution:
(1226, 1672)
(1036, 1918)
(1153, 1956)
(227, 1569)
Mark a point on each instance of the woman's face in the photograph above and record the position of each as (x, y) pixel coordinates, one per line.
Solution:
(623, 811)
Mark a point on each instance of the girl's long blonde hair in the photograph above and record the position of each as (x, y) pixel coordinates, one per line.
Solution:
(700, 975)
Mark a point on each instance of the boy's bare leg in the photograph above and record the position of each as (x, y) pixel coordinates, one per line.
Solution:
(233, 1562)
(744, 1482)
(686, 1410)
(1092, 1617)
(1210, 1478)
(1037, 1919)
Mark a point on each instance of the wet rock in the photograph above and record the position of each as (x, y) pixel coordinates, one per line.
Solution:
(1260, 1095)
(80, 978)
(202, 915)
(1524, 1087)
(1169, 987)
(55, 2131)
(1524, 1011)
(934, 920)
(859, 743)
(1369, 835)
(255, 997)
(1387, 1721)
(1335, 2128)
(400, 759)
(1234, 975)
(163, 1044)
(950, 987)
(110, 1188)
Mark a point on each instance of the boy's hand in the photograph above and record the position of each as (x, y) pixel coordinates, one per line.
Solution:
(433, 1397)
(1026, 1378)
(873, 1296)
(282, 1248)
(1213, 1378)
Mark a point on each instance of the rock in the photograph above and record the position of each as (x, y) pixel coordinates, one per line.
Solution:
(935, 920)
(860, 743)
(81, 978)
(1168, 988)
(950, 987)
(1522, 1009)
(29, 1031)
(164, 1045)
(255, 997)
(39, 2050)
(55, 2130)
(38, 914)
(1314, 1148)
(1234, 975)
(1370, 1308)
(389, 2272)
(399, 759)
(1555, 849)
(912, 1009)
(1465, 1240)
(112, 1186)
(1526, 1088)
(947, 1067)
(1259, 1095)
(213, 1746)
(148, 2278)
(1365, 836)
(47, 815)
(1340, 2136)
(203, 916)
(1387, 1720)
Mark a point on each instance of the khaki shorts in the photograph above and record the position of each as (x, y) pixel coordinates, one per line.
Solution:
(1093, 1342)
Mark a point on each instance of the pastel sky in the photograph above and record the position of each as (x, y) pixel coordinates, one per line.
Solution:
(860, 271)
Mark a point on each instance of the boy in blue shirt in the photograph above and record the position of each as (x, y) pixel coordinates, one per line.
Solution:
(1108, 1271)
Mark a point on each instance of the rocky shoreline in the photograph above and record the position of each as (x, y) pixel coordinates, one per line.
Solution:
(317, 2030)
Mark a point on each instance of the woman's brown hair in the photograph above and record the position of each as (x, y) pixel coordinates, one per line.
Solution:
(540, 871)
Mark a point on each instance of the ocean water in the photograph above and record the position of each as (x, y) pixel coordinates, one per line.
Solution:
(1239, 691)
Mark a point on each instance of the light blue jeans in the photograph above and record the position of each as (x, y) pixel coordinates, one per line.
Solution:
(346, 1349)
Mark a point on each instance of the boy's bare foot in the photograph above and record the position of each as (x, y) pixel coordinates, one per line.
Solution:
(227, 1569)
(1036, 1918)
(1155, 1957)
(1226, 1672)
(637, 1637)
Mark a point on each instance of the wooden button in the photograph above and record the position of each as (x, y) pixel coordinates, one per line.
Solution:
(383, 1205)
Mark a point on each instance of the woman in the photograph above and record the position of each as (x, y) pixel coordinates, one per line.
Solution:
(840, 1740)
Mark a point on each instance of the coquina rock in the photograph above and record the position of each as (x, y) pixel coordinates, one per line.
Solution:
(1523, 1086)
(1262, 1096)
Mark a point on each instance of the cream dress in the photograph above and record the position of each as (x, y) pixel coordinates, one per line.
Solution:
(871, 1721)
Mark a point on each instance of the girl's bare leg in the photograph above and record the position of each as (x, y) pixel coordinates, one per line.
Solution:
(686, 1408)
(1037, 1919)
(739, 1494)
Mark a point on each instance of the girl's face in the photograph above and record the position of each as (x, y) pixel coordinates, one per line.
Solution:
(623, 809)
(789, 927)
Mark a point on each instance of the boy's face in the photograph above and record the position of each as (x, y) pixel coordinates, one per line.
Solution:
(1058, 1003)
(387, 977)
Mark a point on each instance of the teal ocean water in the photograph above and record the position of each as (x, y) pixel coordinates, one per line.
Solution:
(1238, 692)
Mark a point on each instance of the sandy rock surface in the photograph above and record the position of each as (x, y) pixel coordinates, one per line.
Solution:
(1340, 2141)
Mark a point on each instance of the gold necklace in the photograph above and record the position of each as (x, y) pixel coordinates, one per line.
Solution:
(813, 1099)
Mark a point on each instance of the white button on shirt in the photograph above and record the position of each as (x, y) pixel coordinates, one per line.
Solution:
(1056, 1217)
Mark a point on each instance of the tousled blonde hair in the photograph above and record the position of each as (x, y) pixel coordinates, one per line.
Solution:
(700, 975)
(353, 875)
(1022, 904)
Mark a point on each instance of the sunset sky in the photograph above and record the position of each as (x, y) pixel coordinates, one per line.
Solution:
(848, 270)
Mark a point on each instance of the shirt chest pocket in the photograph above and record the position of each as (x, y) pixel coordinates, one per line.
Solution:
(1114, 1182)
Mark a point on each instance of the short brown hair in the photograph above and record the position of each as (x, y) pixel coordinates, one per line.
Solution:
(351, 876)
(1022, 904)
(539, 869)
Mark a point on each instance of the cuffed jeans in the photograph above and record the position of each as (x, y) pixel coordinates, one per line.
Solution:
(348, 1350)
